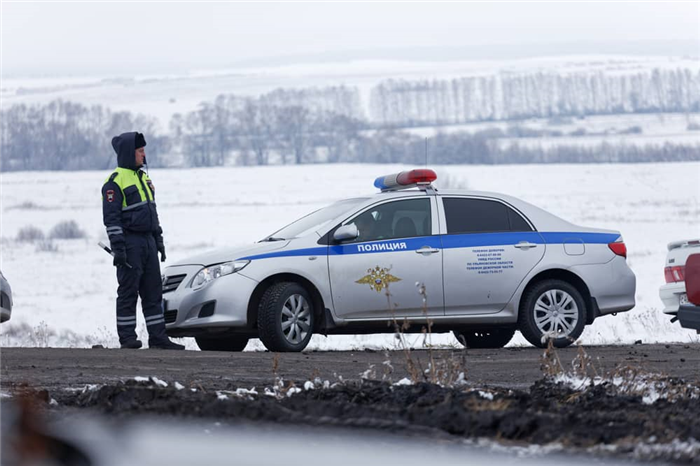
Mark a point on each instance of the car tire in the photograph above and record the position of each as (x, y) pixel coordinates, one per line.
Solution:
(552, 309)
(484, 338)
(231, 343)
(285, 317)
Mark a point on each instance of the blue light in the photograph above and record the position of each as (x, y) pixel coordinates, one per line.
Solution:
(379, 183)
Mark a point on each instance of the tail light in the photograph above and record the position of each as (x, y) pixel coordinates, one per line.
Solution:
(675, 274)
(619, 248)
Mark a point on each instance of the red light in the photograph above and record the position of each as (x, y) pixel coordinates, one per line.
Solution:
(419, 175)
(618, 248)
(674, 274)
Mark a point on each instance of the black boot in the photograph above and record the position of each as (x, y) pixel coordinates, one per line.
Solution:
(132, 344)
(165, 344)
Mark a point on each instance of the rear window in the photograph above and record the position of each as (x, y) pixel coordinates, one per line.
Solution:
(465, 215)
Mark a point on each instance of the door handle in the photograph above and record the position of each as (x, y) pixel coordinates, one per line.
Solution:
(525, 245)
(427, 250)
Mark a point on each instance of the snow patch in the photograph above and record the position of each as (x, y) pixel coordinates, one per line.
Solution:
(160, 383)
(155, 380)
(650, 387)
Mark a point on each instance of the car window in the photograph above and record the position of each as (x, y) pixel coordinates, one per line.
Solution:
(517, 222)
(464, 215)
(397, 219)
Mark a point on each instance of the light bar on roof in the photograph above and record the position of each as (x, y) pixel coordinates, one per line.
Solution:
(403, 180)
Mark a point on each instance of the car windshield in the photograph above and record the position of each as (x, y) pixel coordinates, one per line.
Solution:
(315, 220)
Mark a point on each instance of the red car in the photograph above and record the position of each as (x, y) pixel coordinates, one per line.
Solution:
(689, 314)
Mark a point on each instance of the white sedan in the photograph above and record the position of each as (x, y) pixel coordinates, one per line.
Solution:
(5, 299)
(482, 265)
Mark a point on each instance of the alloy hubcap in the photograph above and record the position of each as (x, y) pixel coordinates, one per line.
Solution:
(296, 319)
(556, 313)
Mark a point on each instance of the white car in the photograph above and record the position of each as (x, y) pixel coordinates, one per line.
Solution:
(5, 299)
(673, 293)
(482, 265)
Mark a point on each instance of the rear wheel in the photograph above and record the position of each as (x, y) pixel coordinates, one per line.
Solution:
(285, 317)
(230, 343)
(552, 310)
(484, 338)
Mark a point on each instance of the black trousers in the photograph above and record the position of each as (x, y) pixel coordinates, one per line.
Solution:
(144, 280)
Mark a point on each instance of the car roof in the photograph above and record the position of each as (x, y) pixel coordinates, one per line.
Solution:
(540, 218)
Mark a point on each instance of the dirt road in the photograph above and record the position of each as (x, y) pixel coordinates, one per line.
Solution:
(506, 399)
(512, 367)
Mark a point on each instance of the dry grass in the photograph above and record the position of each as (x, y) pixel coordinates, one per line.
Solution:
(624, 380)
(446, 372)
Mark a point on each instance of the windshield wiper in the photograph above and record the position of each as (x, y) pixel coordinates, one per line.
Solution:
(272, 238)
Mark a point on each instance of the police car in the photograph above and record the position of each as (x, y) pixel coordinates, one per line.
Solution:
(481, 265)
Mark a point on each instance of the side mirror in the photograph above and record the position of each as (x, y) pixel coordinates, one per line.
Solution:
(346, 232)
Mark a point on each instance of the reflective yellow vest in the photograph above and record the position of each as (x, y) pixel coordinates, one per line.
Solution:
(125, 178)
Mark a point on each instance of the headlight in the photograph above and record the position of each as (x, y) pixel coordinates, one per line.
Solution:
(213, 272)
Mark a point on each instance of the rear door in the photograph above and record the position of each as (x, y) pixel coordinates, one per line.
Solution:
(488, 249)
(375, 276)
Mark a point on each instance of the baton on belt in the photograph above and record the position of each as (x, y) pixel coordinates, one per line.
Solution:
(110, 252)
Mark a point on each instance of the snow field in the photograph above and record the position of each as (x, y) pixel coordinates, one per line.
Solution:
(66, 297)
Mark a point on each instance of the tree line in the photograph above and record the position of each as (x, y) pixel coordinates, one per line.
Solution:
(536, 95)
(281, 127)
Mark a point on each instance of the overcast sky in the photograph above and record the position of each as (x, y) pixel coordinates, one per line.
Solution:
(137, 38)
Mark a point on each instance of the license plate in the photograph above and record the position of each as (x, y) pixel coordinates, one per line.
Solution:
(684, 299)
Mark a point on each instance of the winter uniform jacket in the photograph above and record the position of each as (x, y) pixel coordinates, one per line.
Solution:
(128, 197)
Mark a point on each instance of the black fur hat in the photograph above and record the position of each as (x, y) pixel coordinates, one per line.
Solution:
(140, 141)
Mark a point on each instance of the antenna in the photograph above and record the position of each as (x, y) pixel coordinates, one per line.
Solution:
(426, 152)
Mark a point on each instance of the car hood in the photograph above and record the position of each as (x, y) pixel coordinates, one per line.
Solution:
(218, 256)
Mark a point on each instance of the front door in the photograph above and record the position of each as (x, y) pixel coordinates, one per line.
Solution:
(394, 268)
(489, 248)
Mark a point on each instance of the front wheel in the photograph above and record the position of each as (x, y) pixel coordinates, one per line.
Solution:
(285, 317)
(484, 338)
(231, 343)
(552, 310)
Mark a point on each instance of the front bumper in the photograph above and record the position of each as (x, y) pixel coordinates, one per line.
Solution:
(221, 306)
(670, 295)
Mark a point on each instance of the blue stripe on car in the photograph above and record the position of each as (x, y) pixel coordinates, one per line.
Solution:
(444, 242)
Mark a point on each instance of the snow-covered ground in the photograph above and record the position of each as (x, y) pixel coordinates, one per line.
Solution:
(66, 297)
(639, 129)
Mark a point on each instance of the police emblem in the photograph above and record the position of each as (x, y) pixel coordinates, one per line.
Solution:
(110, 195)
(378, 279)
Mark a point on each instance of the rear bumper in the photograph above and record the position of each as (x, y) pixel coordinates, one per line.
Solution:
(612, 285)
(689, 316)
(670, 295)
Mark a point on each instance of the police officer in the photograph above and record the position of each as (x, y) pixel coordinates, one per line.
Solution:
(129, 211)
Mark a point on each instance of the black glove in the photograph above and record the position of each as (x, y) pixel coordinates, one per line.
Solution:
(119, 257)
(161, 250)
